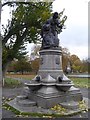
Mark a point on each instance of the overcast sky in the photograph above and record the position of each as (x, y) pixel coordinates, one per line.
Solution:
(75, 36)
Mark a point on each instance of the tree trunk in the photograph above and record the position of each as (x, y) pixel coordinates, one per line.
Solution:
(0, 61)
(4, 70)
(22, 72)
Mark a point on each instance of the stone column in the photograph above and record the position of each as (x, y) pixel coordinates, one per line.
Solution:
(50, 63)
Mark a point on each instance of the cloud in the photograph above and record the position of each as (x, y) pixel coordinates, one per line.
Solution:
(75, 37)
(80, 51)
(5, 15)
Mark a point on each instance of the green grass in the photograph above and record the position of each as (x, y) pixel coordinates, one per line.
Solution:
(81, 82)
(10, 82)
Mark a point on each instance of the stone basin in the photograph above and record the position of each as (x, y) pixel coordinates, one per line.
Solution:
(64, 87)
(33, 86)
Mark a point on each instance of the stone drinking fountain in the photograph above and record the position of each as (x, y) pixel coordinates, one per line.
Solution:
(50, 87)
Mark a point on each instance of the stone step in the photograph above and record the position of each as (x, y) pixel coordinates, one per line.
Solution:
(87, 101)
(21, 97)
(70, 105)
(26, 103)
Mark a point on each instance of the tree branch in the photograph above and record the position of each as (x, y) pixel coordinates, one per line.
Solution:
(13, 31)
(7, 3)
(12, 2)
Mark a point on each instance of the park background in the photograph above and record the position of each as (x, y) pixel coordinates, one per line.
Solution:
(73, 39)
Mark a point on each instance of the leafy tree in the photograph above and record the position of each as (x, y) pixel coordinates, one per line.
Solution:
(22, 66)
(85, 66)
(65, 58)
(25, 26)
(75, 63)
(35, 65)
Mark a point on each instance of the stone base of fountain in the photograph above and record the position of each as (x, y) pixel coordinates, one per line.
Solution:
(48, 95)
(70, 107)
(50, 87)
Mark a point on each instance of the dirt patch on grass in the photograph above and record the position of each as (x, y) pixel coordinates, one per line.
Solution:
(25, 76)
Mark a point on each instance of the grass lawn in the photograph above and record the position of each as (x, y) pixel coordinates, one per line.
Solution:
(10, 82)
(79, 82)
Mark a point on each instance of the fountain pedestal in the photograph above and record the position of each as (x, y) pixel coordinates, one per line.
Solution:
(51, 86)
(51, 63)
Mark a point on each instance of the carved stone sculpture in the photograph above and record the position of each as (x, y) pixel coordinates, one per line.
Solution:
(49, 32)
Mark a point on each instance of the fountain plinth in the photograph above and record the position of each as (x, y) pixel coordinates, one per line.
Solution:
(52, 86)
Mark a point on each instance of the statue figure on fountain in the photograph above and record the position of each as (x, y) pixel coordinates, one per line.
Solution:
(50, 30)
